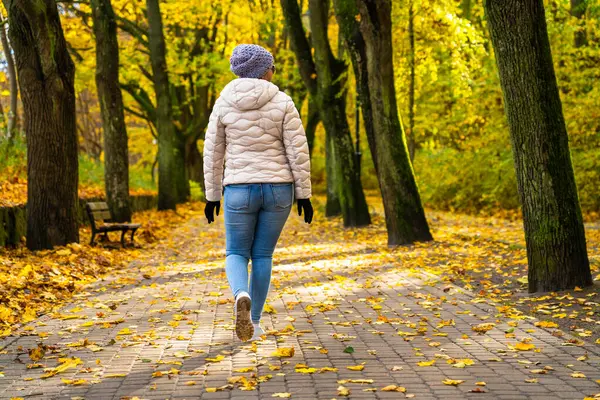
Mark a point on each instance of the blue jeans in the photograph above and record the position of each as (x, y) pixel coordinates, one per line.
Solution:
(255, 214)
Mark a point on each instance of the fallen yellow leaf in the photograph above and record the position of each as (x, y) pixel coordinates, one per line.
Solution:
(524, 346)
(356, 367)
(452, 382)
(546, 324)
(76, 382)
(343, 391)
(426, 363)
(284, 352)
(393, 388)
(247, 369)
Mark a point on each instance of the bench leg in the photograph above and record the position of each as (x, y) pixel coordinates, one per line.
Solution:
(133, 233)
(93, 237)
(123, 237)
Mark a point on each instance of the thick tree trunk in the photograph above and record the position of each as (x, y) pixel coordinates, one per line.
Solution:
(173, 186)
(46, 80)
(578, 8)
(116, 154)
(554, 233)
(371, 49)
(13, 117)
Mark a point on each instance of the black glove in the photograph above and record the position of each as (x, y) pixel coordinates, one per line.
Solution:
(209, 210)
(304, 204)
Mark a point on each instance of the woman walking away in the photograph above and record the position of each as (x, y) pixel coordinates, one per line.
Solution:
(257, 130)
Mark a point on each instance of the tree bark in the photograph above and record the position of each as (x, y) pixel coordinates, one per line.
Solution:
(331, 99)
(578, 8)
(116, 154)
(194, 164)
(370, 44)
(411, 90)
(333, 207)
(173, 186)
(199, 115)
(46, 80)
(346, 11)
(323, 77)
(554, 232)
(13, 116)
(312, 123)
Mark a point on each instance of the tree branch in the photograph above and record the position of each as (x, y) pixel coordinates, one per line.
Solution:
(137, 114)
(133, 29)
(146, 73)
(143, 100)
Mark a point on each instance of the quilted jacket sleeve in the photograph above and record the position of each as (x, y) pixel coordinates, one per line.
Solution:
(296, 148)
(214, 153)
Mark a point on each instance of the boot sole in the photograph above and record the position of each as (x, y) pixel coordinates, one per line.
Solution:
(243, 324)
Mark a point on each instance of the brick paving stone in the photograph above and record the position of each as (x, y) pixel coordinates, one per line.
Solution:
(178, 311)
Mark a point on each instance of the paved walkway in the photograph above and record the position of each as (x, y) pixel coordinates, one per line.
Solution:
(163, 330)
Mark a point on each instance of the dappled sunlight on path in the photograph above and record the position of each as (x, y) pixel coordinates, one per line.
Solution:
(432, 320)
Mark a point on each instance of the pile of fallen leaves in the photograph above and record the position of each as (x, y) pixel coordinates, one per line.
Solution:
(32, 283)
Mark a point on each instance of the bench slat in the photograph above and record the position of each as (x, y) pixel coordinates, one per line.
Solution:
(98, 206)
(101, 215)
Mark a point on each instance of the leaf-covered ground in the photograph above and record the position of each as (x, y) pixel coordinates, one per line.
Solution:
(32, 283)
(347, 317)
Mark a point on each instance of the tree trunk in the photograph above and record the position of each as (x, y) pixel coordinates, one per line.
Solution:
(331, 100)
(312, 123)
(13, 118)
(116, 154)
(173, 186)
(46, 80)
(193, 162)
(324, 79)
(554, 232)
(370, 45)
(333, 206)
(578, 8)
(199, 114)
(411, 91)
(405, 217)
(346, 11)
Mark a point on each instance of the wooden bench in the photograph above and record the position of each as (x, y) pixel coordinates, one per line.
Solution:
(99, 214)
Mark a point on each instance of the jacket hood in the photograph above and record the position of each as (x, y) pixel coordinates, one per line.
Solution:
(248, 93)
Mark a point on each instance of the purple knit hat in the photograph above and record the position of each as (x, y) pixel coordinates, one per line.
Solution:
(250, 61)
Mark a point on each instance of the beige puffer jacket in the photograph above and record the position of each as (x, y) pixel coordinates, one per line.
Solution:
(258, 131)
